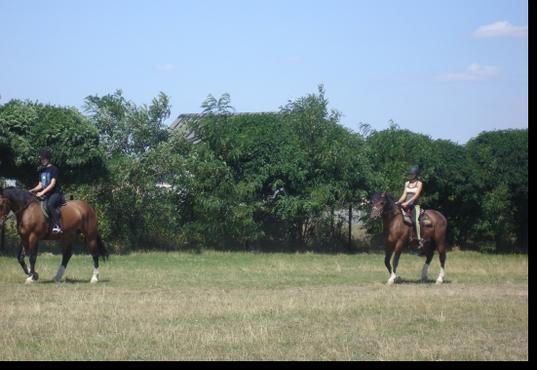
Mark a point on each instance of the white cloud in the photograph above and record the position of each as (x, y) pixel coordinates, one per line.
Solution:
(501, 29)
(165, 67)
(474, 72)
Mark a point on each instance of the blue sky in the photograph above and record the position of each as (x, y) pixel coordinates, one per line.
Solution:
(449, 69)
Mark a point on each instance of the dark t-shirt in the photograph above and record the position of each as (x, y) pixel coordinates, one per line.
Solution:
(47, 174)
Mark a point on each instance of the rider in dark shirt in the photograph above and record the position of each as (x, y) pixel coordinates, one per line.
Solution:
(49, 189)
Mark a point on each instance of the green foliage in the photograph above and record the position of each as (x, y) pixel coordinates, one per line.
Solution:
(499, 160)
(288, 168)
(26, 127)
(127, 129)
(265, 179)
(135, 208)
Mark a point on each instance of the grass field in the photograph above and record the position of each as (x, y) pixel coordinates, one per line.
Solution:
(249, 306)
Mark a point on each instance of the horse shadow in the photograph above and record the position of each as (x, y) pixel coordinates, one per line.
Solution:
(72, 281)
(419, 282)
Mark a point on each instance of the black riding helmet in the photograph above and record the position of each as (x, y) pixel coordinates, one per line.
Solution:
(414, 171)
(45, 154)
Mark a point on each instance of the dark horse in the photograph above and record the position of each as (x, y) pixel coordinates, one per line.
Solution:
(32, 226)
(397, 235)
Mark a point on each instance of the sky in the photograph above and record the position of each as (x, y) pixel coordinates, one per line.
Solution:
(445, 68)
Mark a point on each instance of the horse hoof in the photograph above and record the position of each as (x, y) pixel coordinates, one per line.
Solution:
(439, 281)
(94, 280)
(29, 280)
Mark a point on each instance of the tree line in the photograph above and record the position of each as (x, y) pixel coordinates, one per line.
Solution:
(272, 180)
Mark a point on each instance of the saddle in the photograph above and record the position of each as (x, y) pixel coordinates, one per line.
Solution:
(44, 208)
(422, 217)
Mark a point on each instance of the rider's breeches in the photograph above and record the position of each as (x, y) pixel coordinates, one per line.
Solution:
(415, 218)
(54, 202)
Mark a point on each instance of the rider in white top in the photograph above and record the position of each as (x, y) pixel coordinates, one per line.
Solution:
(410, 199)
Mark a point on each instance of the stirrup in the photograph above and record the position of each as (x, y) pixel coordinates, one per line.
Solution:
(421, 243)
(57, 230)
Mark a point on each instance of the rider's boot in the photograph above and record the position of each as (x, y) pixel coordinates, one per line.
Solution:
(57, 228)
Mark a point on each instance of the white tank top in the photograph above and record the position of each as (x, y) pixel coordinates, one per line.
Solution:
(411, 190)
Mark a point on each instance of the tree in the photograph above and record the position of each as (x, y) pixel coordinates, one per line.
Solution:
(26, 127)
(124, 127)
(500, 161)
(453, 190)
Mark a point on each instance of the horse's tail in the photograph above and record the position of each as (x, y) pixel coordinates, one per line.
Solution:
(103, 253)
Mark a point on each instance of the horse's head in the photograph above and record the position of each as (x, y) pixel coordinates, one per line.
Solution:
(378, 203)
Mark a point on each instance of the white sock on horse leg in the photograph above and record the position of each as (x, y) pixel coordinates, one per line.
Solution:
(60, 273)
(95, 277)
(441, 276)
(425, 272)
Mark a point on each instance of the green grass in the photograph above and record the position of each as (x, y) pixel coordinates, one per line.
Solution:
(250, 306)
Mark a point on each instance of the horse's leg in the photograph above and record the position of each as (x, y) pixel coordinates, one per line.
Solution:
(95, 276)
(397, 254)
(94, 250)
(425, 270)
(442, 256)
(32, 248)
(387, 260)
(20, 258)
(67, 249)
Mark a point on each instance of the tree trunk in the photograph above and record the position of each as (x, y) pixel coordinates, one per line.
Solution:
(350, 227)
(332, 228)
(3, 237)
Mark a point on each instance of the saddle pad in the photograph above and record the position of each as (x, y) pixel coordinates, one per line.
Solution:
(44, 209)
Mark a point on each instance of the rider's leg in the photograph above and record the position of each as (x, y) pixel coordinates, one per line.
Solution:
(416, 218)
(53, 203)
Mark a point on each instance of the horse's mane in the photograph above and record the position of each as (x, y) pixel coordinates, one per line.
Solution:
(386, 196)
(390, 199)
(17, 195)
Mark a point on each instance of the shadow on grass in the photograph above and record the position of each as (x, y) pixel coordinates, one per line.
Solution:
(73, 281)
(419, 282)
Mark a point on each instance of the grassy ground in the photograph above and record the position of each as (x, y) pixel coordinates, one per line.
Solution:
(248, 306)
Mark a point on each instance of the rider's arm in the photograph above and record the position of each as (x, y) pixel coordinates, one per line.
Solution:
(37, 187)
(403, 197)
(49, 187)
(418, 193)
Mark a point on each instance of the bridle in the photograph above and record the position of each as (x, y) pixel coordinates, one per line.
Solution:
(379, 211)
(11, 214)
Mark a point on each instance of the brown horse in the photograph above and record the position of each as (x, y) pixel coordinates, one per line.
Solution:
(32, 226)
(397, 235)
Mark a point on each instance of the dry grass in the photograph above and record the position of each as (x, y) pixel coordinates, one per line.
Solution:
(247, 306)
